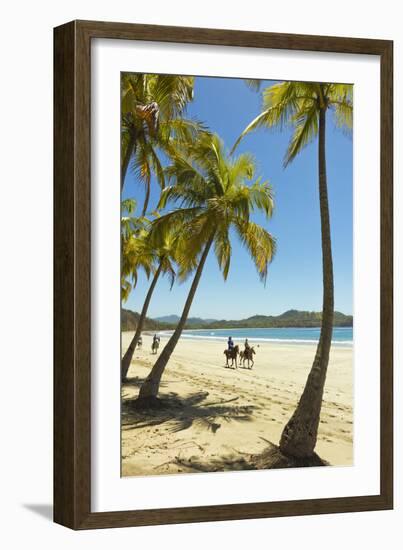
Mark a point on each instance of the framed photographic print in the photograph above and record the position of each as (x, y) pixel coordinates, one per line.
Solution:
(223, 275)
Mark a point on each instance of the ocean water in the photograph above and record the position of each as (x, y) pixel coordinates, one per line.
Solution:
(341, 335)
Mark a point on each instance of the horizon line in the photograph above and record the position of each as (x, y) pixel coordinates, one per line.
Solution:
(240, 318)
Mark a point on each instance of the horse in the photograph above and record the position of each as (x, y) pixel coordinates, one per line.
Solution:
(231, 354)
(247, 355)
(154, 346)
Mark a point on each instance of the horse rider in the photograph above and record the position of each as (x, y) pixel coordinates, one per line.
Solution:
(247, 346)
(230, 343)
(156, 338)
(140, 342)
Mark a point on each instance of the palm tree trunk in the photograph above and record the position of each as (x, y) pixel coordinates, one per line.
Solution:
(128, 356)
(299, 435)
(126, 159)
(149, 389)
(147, 195)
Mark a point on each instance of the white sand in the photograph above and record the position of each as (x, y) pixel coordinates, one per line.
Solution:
(230, 413)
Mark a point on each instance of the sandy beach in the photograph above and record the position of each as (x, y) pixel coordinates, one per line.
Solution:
(227, 414)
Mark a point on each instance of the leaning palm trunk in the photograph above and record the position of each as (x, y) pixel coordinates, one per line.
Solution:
(150, 387)
(299, 435)
(128, 356)
(126, 159)
(147, 195)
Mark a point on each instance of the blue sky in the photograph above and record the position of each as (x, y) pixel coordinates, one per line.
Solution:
(295, 275)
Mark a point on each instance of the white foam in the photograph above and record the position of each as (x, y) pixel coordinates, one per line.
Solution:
(252, 339)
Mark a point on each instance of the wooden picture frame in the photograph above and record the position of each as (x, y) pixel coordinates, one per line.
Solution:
(72, 270)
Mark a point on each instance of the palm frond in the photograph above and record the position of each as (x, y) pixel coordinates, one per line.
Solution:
(260, 245)
(223, 250)
(180, 132)
(212, 192)
(126, 288)
(193, 238)
(168, 268)
(306, 128)
(341, 102)
(253, 83)
(128, 205)
(152, 107)
(258, 122)
(173, 221)
(261, 197)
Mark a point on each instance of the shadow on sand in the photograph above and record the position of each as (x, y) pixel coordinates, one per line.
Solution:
(270, 458)
(181, 413)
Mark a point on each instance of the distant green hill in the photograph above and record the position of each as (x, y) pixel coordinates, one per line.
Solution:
(130, 320)
(290, 318)
(173, 320)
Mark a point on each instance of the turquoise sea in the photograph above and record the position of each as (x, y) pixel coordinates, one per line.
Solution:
(341, 335)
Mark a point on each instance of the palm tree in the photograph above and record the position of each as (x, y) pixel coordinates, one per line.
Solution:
(132, 227)
(304, 106)
(152, 120)
(213, 198)
(142, 251)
